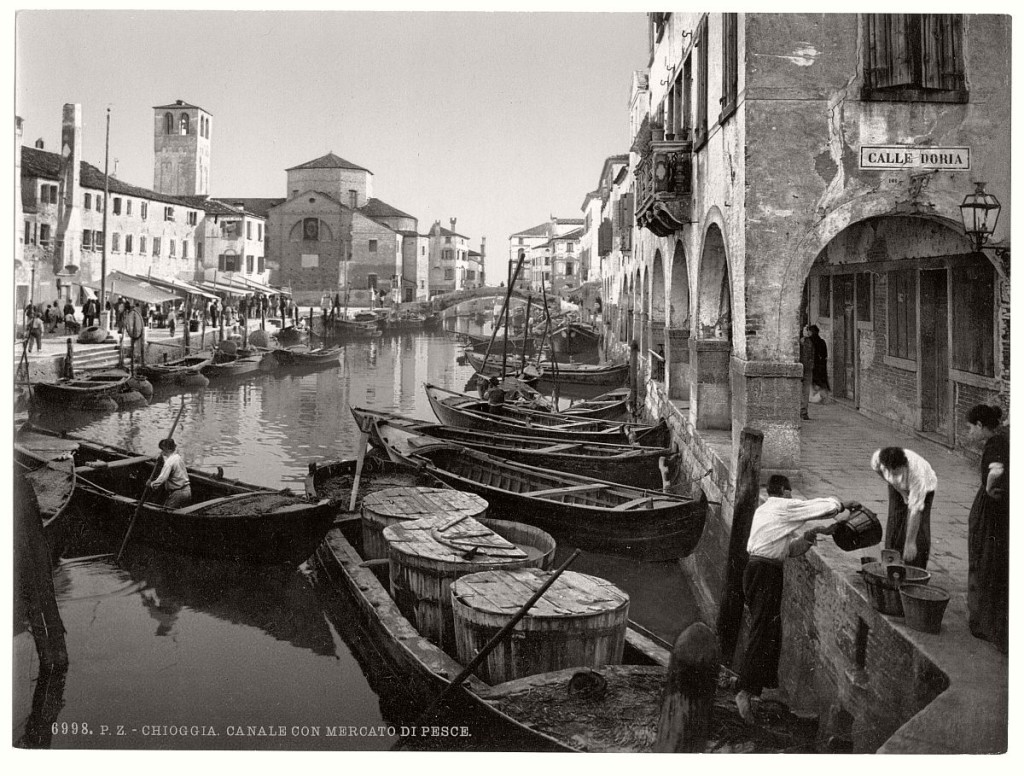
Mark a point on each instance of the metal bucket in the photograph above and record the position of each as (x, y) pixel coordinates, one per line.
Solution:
(883, 583)
(862, 529)
(924, 606)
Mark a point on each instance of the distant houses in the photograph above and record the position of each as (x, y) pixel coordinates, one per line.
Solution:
(329, 237)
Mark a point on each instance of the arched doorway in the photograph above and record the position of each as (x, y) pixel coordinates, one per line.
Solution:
(677, 334)
(912, 319)
(656, 326)
(711, 407)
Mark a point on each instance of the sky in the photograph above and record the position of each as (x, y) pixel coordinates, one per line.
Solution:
(496, 119)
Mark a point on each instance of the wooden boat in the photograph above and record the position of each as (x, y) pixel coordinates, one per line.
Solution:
(411, 321)
(538, 713)
(177, 370)
(232, 365)
(49, 467)
(300, 356)
(228, 519)
(573, 339)
(624, 464)
(341, 327)
(492, 364)
(608, 406)
(595, 514)
(457, 409)
(291, 335)
(584, 374)
(83, 390)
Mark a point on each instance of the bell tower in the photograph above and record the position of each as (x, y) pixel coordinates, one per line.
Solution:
(181, 147)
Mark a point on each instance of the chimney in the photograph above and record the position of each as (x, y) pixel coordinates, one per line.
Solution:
(452, 221)
(40, 144)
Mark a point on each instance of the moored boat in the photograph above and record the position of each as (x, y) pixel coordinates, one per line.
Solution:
(49, 467)
(624, 464)
(497, 363)
(305, 356)
(232, 365)
(227, 519)
(83, 390)
(598, 515)
(583, 374)
(456, 409)
(573, 339)
(177, 370)
(608, 406)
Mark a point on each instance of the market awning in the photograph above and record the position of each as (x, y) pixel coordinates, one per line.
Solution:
(120, 284)
(177, 285)
(224, 288)
(253, 285)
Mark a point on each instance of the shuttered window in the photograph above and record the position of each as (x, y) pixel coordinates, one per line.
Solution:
(701, 127)
(730, 64)
(863, 296)
(914, 57)
(973, 292)
(903, 313)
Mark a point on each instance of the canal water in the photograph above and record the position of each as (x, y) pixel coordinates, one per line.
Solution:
(166, 649)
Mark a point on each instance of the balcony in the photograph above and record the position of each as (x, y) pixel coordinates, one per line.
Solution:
(664, 177)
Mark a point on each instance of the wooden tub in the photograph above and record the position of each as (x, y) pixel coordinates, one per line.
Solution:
(579, 622)
(426, 556)
(394, 505)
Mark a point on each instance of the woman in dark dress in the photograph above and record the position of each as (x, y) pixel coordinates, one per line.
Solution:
(988, 530)
(819, 373)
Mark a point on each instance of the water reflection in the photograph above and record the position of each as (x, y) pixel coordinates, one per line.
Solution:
(162, 639)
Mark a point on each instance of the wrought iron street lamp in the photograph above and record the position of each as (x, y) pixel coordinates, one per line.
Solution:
(980, 212)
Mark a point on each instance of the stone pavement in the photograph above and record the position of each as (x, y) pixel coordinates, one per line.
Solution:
(836, 448)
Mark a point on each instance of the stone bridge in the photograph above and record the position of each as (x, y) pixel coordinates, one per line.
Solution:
(452, 298)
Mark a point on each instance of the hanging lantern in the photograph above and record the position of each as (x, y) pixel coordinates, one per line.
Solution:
(980, 212)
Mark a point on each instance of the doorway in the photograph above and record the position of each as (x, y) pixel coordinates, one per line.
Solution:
(844, 338)
(934, 352)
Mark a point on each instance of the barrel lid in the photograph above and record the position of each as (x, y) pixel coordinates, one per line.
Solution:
(451, 540)
(413, 503)
(504, 592)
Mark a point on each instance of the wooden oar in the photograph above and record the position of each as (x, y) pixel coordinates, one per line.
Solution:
(486, 650)
(145, 491)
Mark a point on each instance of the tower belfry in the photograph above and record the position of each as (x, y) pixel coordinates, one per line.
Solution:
(181, 146)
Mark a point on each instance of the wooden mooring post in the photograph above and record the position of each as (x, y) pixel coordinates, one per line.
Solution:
(688, 700)
(730, 611)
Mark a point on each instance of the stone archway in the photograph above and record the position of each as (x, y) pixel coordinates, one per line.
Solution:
(656, 315)
(711, 401)
(677, 331)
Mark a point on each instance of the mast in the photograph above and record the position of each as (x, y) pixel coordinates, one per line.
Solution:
(106, 207)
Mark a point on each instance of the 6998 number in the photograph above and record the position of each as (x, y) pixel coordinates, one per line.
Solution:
(71, 729)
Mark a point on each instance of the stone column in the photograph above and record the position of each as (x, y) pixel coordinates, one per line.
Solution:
(710, 404)
(677, 363)
(766, 396)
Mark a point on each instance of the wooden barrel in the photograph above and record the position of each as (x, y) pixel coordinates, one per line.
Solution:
(393, 505)
(580, 621)
(427, 555)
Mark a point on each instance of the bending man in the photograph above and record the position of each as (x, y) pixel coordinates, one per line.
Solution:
(774, 536)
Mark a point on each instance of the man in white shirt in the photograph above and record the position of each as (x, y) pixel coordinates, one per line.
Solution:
(774, 536)
(173, 477)
(912, 484)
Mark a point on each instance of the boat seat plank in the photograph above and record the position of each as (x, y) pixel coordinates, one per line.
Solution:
(634, 503)
(566, 489)
(559, 448)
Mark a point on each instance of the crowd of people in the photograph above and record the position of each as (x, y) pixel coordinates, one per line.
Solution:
(62, 315)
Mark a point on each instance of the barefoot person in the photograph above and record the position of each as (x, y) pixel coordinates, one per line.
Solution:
(774, 536)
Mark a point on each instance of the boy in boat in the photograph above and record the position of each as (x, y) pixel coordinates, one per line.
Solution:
(774, 536)
(173, 477)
